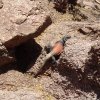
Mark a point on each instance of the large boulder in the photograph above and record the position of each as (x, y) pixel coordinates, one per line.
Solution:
(80, 60)
(20, 20)
(77, 49)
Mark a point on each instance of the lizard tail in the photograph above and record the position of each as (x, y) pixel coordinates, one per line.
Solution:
(52, 53)
(39, 69)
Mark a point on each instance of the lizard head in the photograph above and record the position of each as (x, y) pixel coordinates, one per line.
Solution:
(65, 38)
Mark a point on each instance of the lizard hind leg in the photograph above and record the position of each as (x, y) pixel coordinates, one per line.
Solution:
(48, 48)
(53, 60)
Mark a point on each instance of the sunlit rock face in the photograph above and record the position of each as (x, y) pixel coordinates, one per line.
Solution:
(19, 19)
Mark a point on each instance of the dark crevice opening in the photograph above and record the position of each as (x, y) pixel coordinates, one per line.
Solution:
(26, 54)
(74, 2)
(24, 49)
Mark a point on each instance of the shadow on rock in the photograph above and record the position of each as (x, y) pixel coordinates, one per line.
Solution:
(92, 69)
(87, 80)
(26, 54)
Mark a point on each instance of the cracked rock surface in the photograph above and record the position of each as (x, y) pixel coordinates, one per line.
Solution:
(19, 19)
(26, 27)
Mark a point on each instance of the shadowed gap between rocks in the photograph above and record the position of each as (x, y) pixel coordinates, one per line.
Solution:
(25, 54)
(24, 49)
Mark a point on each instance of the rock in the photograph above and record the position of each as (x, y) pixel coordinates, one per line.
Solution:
(5, 58)
(94, 57)
(87, 9)
(85, 30)
(92, 67)
(77, 63)
(77, 52)
(19, 19)
(80, 2)
(17, 25)
(23, 95)
(18, 86)
(1, 4)
(77, 48)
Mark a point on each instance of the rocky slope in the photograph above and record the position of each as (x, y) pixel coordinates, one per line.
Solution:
(20, 21)
(29, 25)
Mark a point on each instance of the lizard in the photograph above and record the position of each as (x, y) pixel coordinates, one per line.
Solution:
(55, 50)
